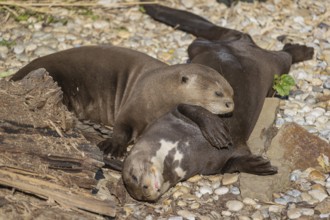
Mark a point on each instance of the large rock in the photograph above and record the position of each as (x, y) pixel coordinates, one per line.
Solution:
(292, 148)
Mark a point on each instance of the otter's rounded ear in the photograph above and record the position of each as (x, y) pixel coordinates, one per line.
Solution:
(184, 79)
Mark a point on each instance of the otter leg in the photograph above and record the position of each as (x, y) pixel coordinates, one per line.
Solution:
(249, 164)
(117, 145)
(212, 127)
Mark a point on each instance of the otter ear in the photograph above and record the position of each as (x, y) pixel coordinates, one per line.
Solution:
(184, 79)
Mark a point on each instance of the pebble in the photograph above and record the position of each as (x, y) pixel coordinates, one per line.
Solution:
(206, 190)
(18, 49)
(186, 214)
(318, 195)
(294, 213)
(275, 208)
(43, 50)
(229, 178)
(235, 190)
(249, 201)
(326, 84)
(234, 205)
(221, 191)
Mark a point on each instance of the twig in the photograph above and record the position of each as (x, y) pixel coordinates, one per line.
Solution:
(59, 4)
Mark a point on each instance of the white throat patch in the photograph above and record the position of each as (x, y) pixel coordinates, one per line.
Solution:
(165, 148)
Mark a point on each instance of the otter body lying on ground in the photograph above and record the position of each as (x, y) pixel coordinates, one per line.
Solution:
(249, 69)
(127, 89)
(173, 149)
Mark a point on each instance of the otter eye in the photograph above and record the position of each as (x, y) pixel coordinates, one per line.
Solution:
(134, 178)
(219, 94)
(145, 187)
(184, 79)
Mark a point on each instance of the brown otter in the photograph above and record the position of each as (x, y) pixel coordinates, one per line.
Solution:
(128, 89)
(173, 149)
(248, 68)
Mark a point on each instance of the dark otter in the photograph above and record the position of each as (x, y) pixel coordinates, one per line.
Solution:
(173, 149)
(248, 68)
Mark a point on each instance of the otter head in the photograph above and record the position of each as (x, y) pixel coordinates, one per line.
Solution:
(205, 87)
(143, 180)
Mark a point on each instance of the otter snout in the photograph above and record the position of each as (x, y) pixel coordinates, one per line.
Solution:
(230, 105)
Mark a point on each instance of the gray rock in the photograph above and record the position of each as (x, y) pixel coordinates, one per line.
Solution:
(326, 84)
(234, 205)
(44, 50)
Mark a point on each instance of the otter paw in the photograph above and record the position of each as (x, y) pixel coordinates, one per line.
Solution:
(299, 52)
(259, 166)
(114, 150)
(217, 135)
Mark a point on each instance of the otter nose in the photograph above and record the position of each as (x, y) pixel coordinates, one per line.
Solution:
(229, 104)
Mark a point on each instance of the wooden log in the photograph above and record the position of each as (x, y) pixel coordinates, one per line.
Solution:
(63, 196)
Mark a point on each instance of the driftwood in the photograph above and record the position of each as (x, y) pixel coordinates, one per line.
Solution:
(41, 151)
(61, 195)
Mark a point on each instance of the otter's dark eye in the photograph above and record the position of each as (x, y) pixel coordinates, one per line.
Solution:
(184, 79)
(145, 187)
(134, 178)
(219, 94)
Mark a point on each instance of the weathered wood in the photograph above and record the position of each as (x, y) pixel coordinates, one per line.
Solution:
(61, 195)
(42, 152)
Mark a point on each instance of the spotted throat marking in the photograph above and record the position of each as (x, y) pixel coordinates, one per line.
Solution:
(165, 148)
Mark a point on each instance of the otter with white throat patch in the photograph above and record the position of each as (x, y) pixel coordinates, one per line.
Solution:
(174, 149)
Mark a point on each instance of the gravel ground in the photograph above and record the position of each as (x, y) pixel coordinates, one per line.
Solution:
(26, 34)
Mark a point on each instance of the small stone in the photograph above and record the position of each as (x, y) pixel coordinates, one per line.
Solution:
(44, 50)
(249, 201)
(18, 49)
(316, 82)
(326, 84)
(324, 206)
(307, 211)
(257, 216)
(229, 178)
(205, 189)
(234, 205)
(294, 193)
(221, 191)
(316, 175)
(317, 89)
(318, 195)
(195, 179)
(294, 213)
(186, 214)
(295, 175)
(290, 112)
(235, 190)
(243, 218)
(322, 119)
(101, 25)
(216, 184)
(317, 112)
(195, 205)
(175, 218)
(177, 194)
(3, 52)
(188, 3)
(181, 203)
(226, 213)
(281, 201)
(306, 197)
(275, 208)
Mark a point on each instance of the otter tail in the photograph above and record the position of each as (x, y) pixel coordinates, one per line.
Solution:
(20, 74)
(188, 22)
